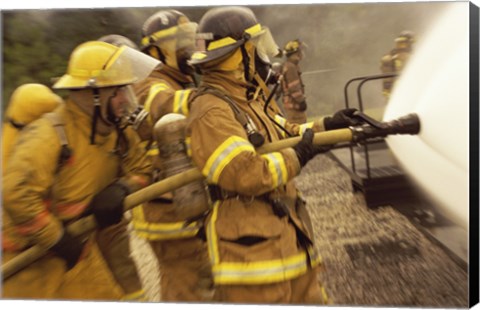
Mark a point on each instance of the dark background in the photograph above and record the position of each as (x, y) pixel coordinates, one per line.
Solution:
(347, 40)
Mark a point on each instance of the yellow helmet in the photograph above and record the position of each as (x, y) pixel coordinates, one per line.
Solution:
(292, 47)
(30, 101)
(97, 64)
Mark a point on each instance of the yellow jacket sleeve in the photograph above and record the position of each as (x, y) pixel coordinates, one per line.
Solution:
(221, 150)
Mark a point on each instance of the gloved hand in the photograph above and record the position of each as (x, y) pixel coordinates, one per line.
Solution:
(68, 248)
(306, 150)
(302, 106)
(107, 205)
(341, 119)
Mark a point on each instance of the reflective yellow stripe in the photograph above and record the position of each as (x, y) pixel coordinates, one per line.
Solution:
(135, 296)
(160, 231)
(114, 57)
(188, 145)
(282, 122)
(269, 271)
(154, 90)
(180, 102)
(153, 149)
(212, 235)
(277, 168)
(223, 155)
(228, 40)
(304, 127)
(159, 34)
(324, 295)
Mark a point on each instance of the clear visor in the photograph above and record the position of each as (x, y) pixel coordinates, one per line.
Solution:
(131, 103)
(126, 66)
(265, 44)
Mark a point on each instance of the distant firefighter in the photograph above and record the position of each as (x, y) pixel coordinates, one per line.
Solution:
(293, 89)
(395, 60)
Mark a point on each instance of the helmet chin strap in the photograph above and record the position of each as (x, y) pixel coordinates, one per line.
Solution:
(96, 114)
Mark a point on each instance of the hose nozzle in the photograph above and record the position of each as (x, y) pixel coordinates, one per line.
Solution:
(408, 124)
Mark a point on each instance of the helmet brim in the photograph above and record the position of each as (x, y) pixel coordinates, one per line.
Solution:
(215, 54)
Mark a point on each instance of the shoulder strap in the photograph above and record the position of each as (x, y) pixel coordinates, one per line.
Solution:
(59, 127)
(253, 136)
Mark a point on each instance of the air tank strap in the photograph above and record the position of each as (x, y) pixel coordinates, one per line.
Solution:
(59, 127)
(253, 136)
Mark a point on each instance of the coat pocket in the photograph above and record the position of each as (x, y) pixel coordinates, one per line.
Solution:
(255, 239)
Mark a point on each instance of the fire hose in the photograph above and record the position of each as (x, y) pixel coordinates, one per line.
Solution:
(409, 124)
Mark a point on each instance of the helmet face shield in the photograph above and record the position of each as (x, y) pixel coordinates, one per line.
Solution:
(122, 67)
(208, 50)
(125, 67)
(265, 44)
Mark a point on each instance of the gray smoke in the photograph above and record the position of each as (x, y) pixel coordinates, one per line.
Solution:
(349, 38)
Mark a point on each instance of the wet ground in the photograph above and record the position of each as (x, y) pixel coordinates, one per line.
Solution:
(372, 257)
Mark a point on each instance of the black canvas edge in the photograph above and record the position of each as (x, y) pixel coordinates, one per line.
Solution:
(474, 158)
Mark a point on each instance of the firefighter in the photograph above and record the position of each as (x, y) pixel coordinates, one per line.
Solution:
(27, 103)
(71, 163)
(293, 89)
(185, 274)
(258, 230)
(395, 61)
(128, 262)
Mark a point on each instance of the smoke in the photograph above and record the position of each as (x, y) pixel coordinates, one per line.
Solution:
(349, 38)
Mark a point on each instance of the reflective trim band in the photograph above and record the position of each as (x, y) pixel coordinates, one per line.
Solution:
(223, 155)
(297, 94)
(277, 168)
(152, 152)
(188, 145)
(259, 272)
(304, 127)
(153, 149)
(282, 121)
(212, 235)
(135, 296)
(160, 231)
(180, 102)
(154, 90)
(293, 83)
(32, 226)
(159, 34)
(114, 57)
(228, 40)
(269, 271)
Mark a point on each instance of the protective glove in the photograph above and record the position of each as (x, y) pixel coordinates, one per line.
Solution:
(107, 205)
(306, 150)
(68, 248)
(302, 106)
(341, 119)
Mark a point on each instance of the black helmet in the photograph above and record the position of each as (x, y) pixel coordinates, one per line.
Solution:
(162, 25)
(118, 40)
(222, 30)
